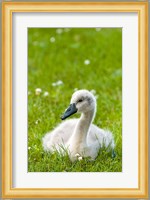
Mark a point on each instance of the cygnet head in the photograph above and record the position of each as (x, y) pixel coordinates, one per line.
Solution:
(82, 101)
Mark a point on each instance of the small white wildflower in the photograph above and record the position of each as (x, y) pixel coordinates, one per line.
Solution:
(77, 155)
(52, 39)
(54, 84)
(59, 31)
(36, 122)
(59, 82)
(46, 94)
(29, 148)
(38, 91)
(80, 158)
(75, 89)
(98, 29)
(93, 92)
(87, 62)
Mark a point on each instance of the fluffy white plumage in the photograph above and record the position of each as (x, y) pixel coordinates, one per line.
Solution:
(79, 136)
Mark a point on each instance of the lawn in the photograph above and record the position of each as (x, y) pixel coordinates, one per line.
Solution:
(61, 61)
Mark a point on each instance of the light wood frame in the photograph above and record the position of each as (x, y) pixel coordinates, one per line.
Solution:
(10, 7)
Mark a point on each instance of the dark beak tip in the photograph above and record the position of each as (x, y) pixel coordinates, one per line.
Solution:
(69, 111)
(62, 118)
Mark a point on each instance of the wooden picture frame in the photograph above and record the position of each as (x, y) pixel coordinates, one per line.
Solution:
(8, 8)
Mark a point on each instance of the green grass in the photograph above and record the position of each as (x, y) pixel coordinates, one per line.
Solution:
(63, 60)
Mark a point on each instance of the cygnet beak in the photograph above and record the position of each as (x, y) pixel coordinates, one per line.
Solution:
(69, 111)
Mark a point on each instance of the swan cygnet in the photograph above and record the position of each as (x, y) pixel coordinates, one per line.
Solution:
(79, 136)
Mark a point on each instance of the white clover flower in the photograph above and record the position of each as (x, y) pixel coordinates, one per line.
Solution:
(52, 39)
(46, 94)
(29, 148)
(59, 30)
(59, 82)
(36, 122)
(87, 62)
(54, 84)
(77, 155)
(98, 29)
(79, 158)
(93, 92)
(38, 91)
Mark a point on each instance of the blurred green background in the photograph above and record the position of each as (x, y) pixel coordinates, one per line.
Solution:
(60, 61)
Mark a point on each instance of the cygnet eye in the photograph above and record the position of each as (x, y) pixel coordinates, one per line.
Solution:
(80, 100)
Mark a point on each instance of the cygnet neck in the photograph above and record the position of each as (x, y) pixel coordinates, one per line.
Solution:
(82, 127)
